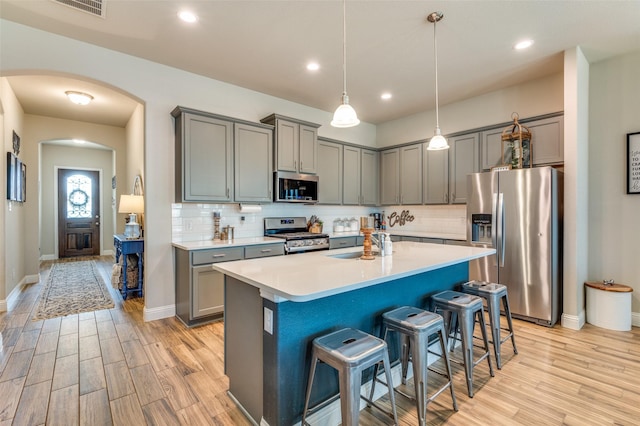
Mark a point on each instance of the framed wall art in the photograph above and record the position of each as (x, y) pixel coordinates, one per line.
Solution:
(633, 163)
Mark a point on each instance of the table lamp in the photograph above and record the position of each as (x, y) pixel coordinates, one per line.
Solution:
(131, 204)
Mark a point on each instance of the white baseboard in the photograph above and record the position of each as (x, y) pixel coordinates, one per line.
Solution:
(107, 253)
(32, 279)
(572, 321)
(12, 298)
(152, 314)
(48, 257)
(635, 319)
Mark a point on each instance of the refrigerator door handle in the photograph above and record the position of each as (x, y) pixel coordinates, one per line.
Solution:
(494, 228)
(501, 228)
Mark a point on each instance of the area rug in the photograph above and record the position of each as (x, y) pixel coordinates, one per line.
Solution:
(71, 288)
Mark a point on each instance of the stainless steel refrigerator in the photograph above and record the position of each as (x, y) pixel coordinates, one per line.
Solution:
(519, 213)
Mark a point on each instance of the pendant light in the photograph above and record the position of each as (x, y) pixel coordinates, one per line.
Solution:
(345, 115)
(438, 141)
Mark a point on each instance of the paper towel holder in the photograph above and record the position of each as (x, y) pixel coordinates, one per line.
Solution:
(249, 208)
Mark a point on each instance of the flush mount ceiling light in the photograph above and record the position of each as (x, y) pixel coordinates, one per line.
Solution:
(187, 16)
(313, 66)
(345, 115)
(79, 98)
(523, 44)
(438, 141)
(385, 96)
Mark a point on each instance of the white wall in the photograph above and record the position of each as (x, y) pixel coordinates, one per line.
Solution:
(161, 88)
(531, 99)
(12, 249)
(614, 220)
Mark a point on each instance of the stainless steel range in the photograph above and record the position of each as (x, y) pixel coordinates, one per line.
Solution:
(294, 231)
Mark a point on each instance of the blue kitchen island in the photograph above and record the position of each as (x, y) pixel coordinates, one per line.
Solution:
(275, 307)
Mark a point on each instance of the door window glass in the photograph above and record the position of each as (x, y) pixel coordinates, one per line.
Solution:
(79, 197)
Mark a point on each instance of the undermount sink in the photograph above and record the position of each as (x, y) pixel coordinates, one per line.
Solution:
(352, 255)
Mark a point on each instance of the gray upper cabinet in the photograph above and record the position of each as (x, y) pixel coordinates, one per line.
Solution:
(370, 164)
(329, 172)
(390, 177)
(204, 157)
(253, 170)
(296, 144)
(411, 174)
(491, 149)
(352, 175)
(547, 136)
(464, 158)
(435, 176)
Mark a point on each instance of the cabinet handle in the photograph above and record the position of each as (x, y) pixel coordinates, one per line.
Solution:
(300, 165)
(453, 197)
(219, 255)
(227, 192)
(446, 198)
(265, 251)
(295, 164)
(343, 243)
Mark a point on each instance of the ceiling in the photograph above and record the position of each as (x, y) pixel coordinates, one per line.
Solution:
(265, 45)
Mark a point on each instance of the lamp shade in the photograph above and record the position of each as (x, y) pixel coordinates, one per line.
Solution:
(131, 204)
(345, 115)
(437, 142)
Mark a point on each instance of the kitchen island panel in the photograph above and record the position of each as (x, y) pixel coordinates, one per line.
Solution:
(286, 353)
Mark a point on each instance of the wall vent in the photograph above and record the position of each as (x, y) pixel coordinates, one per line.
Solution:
(94, 7)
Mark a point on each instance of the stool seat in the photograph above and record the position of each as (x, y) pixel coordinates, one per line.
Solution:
(494, 293)
(415, 327)
(350, 352)
(464, 310)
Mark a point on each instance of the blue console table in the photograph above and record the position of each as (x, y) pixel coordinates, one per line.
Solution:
(125, 246)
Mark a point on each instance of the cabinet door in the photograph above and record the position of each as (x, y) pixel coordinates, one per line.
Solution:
(287, 143)
(308, 150)
(492, 154)
(329, 173)
(411, 174)
(436, 176)
(207, 156)
(351, 175)
(208, 291)
(390, 177)
(253, 173)
(547, 136)
(463, 159)
(369, 178)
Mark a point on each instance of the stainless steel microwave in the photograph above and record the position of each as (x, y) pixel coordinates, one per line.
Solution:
(295, 188)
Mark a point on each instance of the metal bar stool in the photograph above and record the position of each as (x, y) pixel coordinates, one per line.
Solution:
(415, 326)
(466, 308)
(349, 351)
(493, 294)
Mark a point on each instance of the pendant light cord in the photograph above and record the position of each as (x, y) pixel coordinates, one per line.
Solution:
(344, 47)
(435, 54)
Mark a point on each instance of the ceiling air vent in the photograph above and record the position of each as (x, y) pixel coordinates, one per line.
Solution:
(94, 7)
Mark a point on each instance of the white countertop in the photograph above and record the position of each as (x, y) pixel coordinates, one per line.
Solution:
(236, 242)
(310, 276)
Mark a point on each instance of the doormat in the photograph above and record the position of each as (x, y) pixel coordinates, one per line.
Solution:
(71, 288)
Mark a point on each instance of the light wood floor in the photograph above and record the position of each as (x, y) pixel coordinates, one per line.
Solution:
(110, 367)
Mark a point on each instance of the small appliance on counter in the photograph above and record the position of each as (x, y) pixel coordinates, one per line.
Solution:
(294, 232)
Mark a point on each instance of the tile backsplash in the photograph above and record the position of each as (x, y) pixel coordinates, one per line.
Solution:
(194, 222)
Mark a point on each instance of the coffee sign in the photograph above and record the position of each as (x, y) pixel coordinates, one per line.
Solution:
(400, 219)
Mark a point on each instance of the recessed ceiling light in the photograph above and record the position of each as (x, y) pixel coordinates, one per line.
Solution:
(79, 98)
(187, 16)
(385, 96)
(313, 66)
(523, 44)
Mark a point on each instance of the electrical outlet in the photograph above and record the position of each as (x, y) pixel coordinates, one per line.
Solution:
(268, 320)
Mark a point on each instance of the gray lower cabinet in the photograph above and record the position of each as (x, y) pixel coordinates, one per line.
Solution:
(253, 165)
(464, 158)
(329, 172)
(456, 242)
(342, 242)
(203, 157)
(199, 288)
